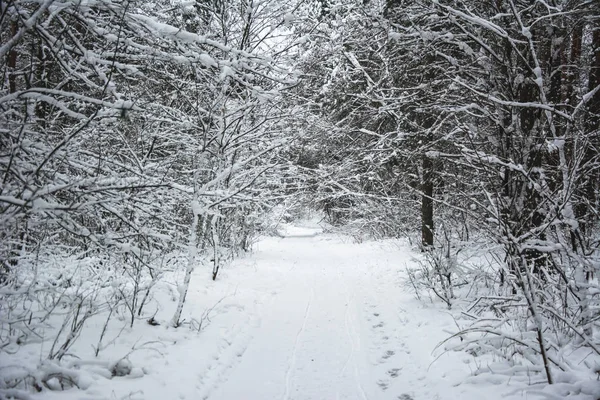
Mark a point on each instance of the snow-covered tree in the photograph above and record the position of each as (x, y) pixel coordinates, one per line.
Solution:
(523, 98)
(490, 110)
(129, 130)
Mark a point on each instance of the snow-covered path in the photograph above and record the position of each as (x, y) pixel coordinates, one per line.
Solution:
(304, 317)
(334, 324)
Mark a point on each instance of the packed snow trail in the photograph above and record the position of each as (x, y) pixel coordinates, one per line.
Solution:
(338, 326)
(305, 316)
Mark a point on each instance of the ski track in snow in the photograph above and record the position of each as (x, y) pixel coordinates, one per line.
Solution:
(232, 348)
(354, 338)
(292, 364)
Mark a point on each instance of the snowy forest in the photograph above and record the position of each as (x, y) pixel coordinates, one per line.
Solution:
(150, 149)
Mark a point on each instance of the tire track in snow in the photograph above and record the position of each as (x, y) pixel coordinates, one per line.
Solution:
(292, 364)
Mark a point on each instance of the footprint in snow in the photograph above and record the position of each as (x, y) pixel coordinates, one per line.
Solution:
(394, 372)
(388, 354)
(383, 385)
(379, 325)
(405, 396)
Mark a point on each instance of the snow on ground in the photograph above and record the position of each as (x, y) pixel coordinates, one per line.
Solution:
(306, 228)
(307, 316)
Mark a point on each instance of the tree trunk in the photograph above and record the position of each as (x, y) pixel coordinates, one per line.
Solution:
(11, 61)
(427, 203)
(192, 251)
(593, 144)
(214, 226)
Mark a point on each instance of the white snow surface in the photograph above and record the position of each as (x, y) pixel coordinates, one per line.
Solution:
(306, 229)
(310, 316)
